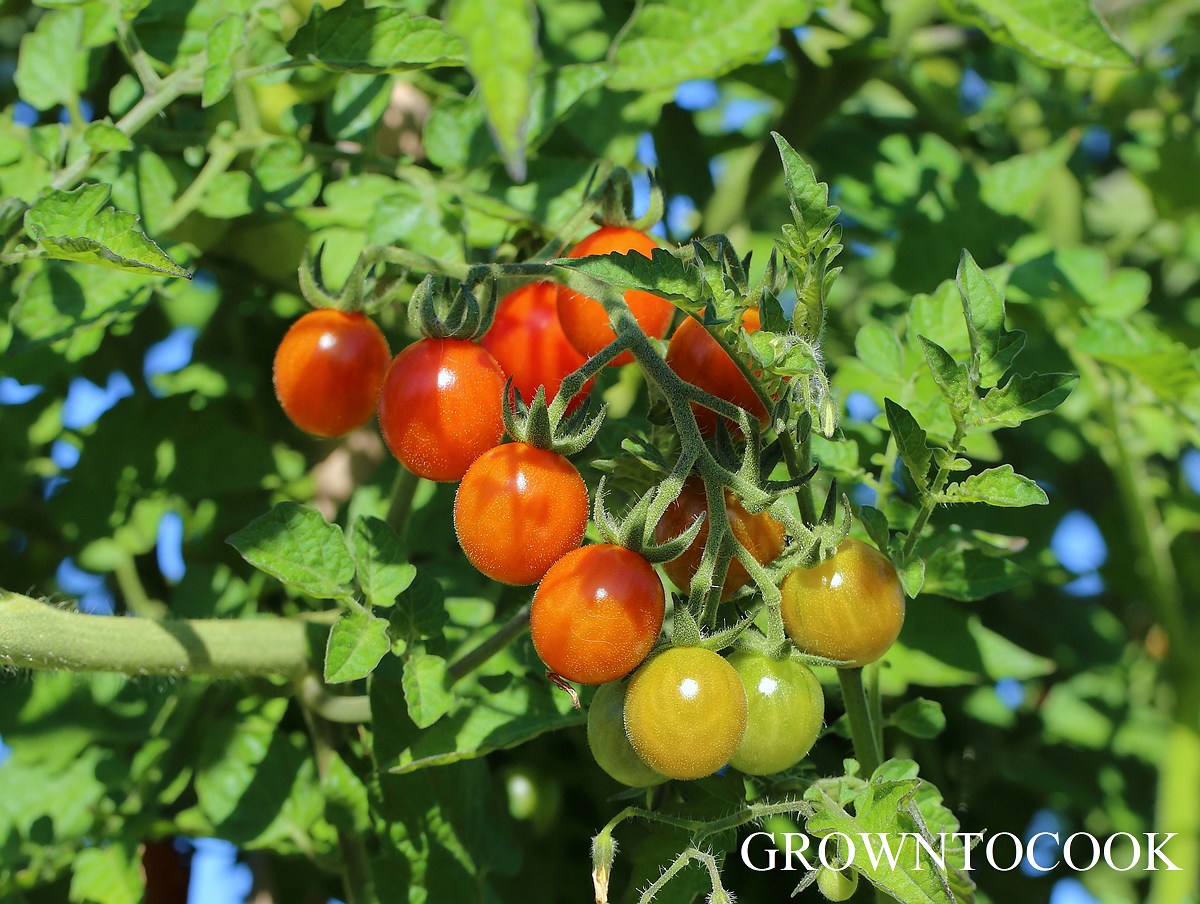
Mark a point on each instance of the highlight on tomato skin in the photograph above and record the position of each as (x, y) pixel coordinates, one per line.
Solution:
(699, 359)
(610, 745)
(518, 510)
(528, 342)
(597, 613)
(786, 711)
(439, 408)
(328, 370)
(584, 319)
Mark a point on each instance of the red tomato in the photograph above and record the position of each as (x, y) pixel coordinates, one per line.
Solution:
(699, 359)
(761, 534)
(328, 370)
(529, 344)
(518, 510)
(597, 613)
(584, 319)
(440, 407)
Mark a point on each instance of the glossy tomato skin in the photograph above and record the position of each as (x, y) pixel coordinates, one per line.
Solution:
(761, 534)
(610, 745)
(518, 510)
(685, 712)
(698, 358)
(328, 370)
(584, 319)
(849, 608)
(529, 344)
(597, 613)
(786, 709)
(439, 408)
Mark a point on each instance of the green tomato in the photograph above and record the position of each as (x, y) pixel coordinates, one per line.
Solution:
(786, 711)
(609, 743)
(837, 885)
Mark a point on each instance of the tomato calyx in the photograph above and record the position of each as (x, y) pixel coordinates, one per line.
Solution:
(615, 202)
(438, 312)
(548, 426)
(358, 292)
(635, 530)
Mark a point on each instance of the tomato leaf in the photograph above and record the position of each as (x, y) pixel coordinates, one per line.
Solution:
(420, 611)
(1000, 486)
(919, 718)
(352, 38)
(663, 273)
(345, 796)
(381, 563)
(299, 547)
(106, 875)
(222, 41)
(426, 688)
(951, 377)
(911, 442)
(76, 226)
(1022, 398)
(1059, 32)
(357, 642)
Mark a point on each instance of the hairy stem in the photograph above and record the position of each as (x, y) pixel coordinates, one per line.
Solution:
(862, 732)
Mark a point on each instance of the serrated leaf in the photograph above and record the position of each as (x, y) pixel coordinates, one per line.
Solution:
(357, 641)
(102, 136)
(58, 57)
(1060, 32)
(675, 40)
(218, 75)
(1000, 486)
(299, 547)
(919, 718)
(1022, 398)
(911, 442)
(876, 523)
(500, 37)
(381, 563)
(951, 377)
(662, 273)
(426, 688)
(352, 38)
(76, 226)
(106, 875)
(420, 611)
(912, 576)
(969, 574)
(983, 308)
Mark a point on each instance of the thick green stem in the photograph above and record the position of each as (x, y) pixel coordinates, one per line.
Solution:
(35, 635)
(862, 732)
(507, 633)
(1178, 807)
(400, 503)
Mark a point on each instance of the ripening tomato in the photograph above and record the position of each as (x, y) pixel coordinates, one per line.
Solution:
(610, 745)
(698, 358)
(584, 319)
(328, 370)
(439, 408)
(761, 534)
(849, 608)
(529, 344)
(685, 712)
(518, 510)
(597, 613)
(786, 711)
(837, 885)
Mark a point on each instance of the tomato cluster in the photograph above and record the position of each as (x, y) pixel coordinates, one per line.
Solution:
(520, 512)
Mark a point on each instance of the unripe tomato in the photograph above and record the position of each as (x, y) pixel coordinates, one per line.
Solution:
(786, 711)
(698, 358)
(440, 407)
(518, 510)
(609, 743)
(529, 344)
(837, 885)
(849, 608)
(597, 613)
(685, 712)
(761, 534)
(328, 370)
(584, 319)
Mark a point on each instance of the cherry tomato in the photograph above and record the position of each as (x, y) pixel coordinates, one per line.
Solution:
(328, 370)
(584, 319)
(597, 613)
(761, 534)
(609, 743)
(837, 885)
(698, 358)
(518, 510)
(685, 712)
(440, 407)
(529, 344)
(849, 608)
(786, 711)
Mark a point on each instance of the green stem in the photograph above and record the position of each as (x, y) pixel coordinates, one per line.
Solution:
(929, 501)
(506, 634)
(866, 744)
(137, 600)
(35, 635)
(223, 154)
(1178, 793)
(400, 503)
(316, 696)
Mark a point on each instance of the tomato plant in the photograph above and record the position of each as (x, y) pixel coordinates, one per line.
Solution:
(585, 321)
(685, 712)
(761, 534)
(610, 744)
(597, 613)
(439, 408)
(529, 344)
(328, 370)
(518, 510)
(699, 359)
(850, 608)
(785, 712)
